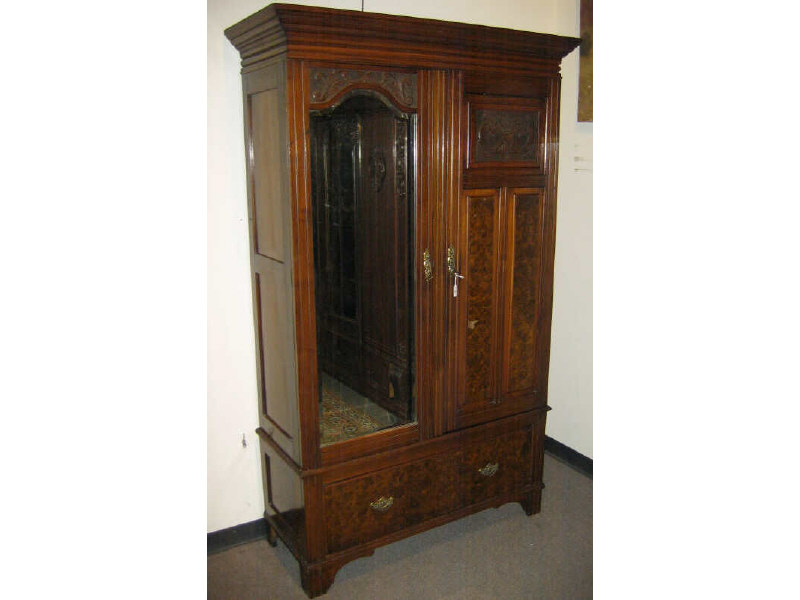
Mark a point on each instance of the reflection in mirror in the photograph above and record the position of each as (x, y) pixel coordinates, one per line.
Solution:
(362, 157)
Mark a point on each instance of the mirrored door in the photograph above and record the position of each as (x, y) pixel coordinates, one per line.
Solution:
(362, 181)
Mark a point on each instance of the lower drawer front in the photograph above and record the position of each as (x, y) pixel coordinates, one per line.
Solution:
(495, 467)
(368, 507)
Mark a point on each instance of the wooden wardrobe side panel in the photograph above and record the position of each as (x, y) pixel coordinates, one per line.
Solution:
(545, 312)
(266, 140)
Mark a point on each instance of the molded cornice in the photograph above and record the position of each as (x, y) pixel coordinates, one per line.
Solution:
(323, 33)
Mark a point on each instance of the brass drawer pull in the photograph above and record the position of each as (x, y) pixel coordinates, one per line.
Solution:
(382, 504)
(489, 470)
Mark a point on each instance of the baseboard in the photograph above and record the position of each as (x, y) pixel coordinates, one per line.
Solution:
(576, 460)
(217, 541)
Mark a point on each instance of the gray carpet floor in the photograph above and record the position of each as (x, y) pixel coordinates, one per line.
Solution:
(495, 554)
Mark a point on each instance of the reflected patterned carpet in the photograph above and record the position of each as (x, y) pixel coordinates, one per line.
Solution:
(340, 421)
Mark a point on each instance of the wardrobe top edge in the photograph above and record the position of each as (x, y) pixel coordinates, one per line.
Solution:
(285, 25)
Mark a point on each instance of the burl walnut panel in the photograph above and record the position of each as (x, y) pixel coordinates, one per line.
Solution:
(426, 489)
(480, 285)
(417, 492)
(348, 516)
(495, 467)
(526, 219)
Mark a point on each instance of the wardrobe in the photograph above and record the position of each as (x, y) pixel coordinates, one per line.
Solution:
(401, 180)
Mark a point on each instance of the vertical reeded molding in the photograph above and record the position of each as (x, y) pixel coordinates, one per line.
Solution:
(456, 137)
(454, 207)
(438, 188)
(426, 201)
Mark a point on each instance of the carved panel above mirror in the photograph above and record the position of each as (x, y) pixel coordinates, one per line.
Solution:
(326, 84)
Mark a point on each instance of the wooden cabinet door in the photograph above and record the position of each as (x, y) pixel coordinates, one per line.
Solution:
(521, 297)
(493, 309)
(474, 273)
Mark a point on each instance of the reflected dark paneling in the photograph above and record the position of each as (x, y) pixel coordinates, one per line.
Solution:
(362, 194)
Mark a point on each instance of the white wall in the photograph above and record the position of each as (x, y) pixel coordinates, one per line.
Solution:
(234, 478)
(570, 391)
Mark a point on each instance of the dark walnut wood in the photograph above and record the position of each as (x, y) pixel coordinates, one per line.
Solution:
(375, 505)
(505, 136)
(495, 467)
(482, 240)
(327, 84)
(523, 260)
(371, 142)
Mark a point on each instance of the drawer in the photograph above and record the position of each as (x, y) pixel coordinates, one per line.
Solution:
(494, 467)
(365, 508)
(368, 507)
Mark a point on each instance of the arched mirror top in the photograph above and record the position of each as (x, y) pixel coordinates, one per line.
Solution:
(361, 101)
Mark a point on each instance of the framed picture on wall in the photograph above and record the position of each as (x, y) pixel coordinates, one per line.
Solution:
(585, 65)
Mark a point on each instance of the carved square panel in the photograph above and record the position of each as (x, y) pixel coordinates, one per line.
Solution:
(504, 132)
(505, 135)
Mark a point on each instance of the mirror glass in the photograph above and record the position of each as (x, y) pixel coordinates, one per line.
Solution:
(362, 180)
